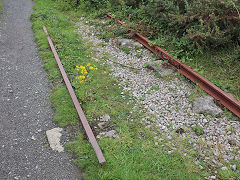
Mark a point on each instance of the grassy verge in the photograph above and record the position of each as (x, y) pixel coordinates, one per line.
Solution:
(136, 154)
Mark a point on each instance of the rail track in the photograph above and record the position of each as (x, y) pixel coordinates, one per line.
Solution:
(80, 112)
(225, 99)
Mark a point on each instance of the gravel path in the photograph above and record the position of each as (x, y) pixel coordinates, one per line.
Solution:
(25, 108)
(167, 101)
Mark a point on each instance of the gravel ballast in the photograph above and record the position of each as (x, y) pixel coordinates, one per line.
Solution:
(167, 99)
(25, 108)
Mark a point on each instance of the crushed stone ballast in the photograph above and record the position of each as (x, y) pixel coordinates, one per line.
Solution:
(225, 99)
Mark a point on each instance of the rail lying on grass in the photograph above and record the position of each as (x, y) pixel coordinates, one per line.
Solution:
(227, 100)
(80, 112)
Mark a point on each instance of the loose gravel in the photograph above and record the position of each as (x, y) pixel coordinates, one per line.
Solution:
(25, 108)
(167, 100)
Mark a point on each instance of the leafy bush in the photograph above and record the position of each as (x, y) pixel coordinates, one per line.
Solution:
(203, 23)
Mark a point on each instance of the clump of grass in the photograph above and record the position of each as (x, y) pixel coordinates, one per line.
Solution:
(198, 130)
(65, 113)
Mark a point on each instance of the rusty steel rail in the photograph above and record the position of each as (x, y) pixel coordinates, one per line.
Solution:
(80, 112)
(225, 99)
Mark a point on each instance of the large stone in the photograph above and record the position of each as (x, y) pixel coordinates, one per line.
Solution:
(109, 134)
(206, 105)
(105, 118)
(163, 69)
(53, 136)
(234, 167)
(128, 43)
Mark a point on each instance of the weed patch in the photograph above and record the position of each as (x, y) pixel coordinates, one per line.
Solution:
(198, 130)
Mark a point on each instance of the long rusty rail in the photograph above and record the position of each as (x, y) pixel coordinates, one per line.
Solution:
(80, 112)
(227, 100)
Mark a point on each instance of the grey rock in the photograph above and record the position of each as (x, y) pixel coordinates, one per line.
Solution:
(164, 70)
(224, 168)
(53, 137)
(110, 134)
(164, 127)
(128, 43)
(148, 126)
(233, 167)
(98, 136)
(105, 118)
(206, 105)
(213, 177)
(152, 108)
(33, 138)
(204, 120)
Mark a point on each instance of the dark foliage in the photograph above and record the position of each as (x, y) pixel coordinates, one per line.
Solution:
(203, 23)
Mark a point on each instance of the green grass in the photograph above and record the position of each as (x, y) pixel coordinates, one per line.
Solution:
(134, 155)
(198, 130)
(221, 67)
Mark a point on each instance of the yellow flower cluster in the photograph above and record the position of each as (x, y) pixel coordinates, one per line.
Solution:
(84, 71)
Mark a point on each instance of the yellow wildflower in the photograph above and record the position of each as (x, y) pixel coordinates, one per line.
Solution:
(82, 77)
(91, 68)
(88, 64)
(84, 72)
(82, 67)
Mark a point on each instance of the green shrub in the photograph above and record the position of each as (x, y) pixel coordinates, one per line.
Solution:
(202, 24)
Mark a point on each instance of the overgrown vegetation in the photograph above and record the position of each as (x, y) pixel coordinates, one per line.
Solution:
(200, 23)
(198, 130)
(135, 154)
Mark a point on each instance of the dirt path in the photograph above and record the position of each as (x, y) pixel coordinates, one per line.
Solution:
(25, 109)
